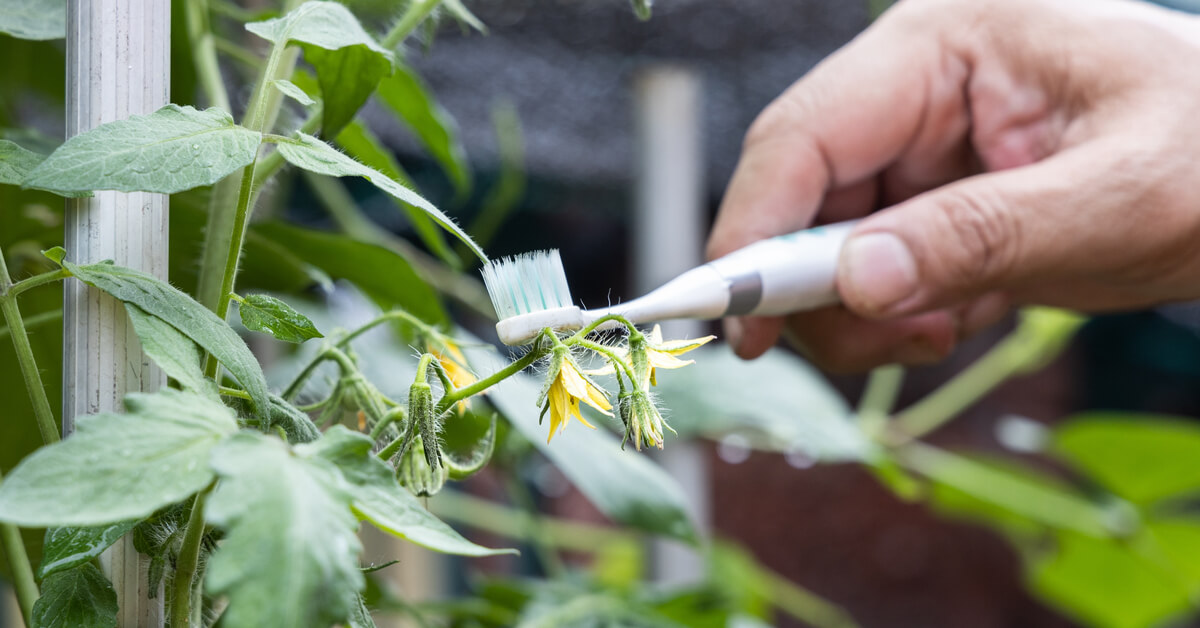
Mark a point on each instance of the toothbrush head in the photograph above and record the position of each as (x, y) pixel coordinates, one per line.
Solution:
(530, 293)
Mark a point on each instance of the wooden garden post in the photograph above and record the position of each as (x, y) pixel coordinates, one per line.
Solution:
(118, 65)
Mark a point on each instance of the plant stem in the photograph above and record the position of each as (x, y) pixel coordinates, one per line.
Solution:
(234, 392)
(37, 280)
(552, 563)
(515, 524)
(803, 604)
(612, 356)
(25, 357)
(390, 315)
(392, 416)
(22, 572)
(513, 368)
(879, 397)
(633, 330)
(998, 364)
(188, 561)
(412, 18)
(204, 53)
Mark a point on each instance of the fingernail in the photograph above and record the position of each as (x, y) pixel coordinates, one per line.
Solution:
(880, 271)
(733, 333)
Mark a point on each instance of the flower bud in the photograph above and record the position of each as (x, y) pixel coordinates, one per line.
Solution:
(643, 422)
(416, 473)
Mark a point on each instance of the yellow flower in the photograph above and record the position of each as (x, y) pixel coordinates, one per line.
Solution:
(454, 363)
(659, 355)
(568, 386)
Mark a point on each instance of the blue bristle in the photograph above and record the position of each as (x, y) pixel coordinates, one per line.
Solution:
(530, 282)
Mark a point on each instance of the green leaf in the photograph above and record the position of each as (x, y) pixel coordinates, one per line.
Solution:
(778, 402)
(15, 162)
(70, 546)
(380, 499)
(117, 467)
(171, 150)
(405, 94)
(1020, 494)
(296, 424)
(360, 617)
(312, 154)
(626, 486)
(172, 351)
(55, 254)
(384, 275)
(34, 19)
(642, 8)
(76, 598)
(197, 322)
(362, 144)
(1142, 458)
(349, 62)
(260, 312)
(289, 89)
(1107, 584)
(290, 554)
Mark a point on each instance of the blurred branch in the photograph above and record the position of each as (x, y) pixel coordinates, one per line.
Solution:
(879, 397)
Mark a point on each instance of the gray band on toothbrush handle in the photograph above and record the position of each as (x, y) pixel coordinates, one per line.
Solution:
(745, 293)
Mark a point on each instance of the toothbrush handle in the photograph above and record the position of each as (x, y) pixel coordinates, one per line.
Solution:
(784, 274)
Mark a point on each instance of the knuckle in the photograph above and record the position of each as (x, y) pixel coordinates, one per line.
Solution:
(981, 236)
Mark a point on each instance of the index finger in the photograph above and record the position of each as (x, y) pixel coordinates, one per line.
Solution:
(844, 122)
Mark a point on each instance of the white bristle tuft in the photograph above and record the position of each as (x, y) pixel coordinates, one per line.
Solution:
(527, 283)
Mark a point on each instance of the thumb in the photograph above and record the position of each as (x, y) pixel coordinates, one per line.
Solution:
(985, 233)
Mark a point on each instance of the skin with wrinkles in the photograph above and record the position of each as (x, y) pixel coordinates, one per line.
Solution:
(1006, 152)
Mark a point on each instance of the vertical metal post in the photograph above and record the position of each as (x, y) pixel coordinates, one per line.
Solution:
(669, 228)
(118, 65)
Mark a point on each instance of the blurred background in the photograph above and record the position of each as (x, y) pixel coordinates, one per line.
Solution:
(613, 140)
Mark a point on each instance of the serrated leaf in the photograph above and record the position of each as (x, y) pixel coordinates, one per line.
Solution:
(627, 487)
(360, 617)
(290, 554)
(361, 143)
(349, 62)
(171, 150)
(182, 312)
(34, 19)
(15, 162)
(76, 598)
(405, 94)
(384, 275)
(380, 499)
(172, 351)
(67, 547)
(289, 89)
(117, 467)
(260, 312)
(1143, 458)
(312, 154)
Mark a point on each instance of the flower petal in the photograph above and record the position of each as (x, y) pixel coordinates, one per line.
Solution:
(664, 360)
(676, 347)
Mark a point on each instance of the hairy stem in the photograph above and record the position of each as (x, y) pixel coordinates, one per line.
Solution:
(22, 571)
(25, 358)
(187, 563)
(412, 18)
(450, 399)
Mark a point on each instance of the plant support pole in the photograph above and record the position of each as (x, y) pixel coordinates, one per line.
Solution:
(118, 65)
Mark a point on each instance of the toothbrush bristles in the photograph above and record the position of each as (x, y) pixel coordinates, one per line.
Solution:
(526, 283)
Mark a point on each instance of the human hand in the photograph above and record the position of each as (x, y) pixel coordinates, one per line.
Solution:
(1025, 151)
